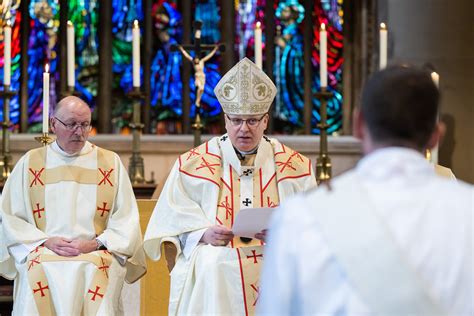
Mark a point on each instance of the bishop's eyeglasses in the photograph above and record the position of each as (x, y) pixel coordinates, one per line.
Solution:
(251, 122)
(85, 126)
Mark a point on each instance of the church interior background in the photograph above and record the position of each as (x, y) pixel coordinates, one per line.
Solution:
(38, 27)
(438, 33)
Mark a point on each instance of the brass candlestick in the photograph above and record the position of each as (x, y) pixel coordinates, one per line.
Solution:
(5, 159)
(44, 139)
(70, 90)
(323, 162)
(136, 167)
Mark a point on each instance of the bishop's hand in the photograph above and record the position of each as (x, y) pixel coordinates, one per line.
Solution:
(217, 236)
(261, 235)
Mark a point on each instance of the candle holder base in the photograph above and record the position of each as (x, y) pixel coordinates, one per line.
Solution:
(7, 93)
(5, 159)
(70, 91)
(136, 94)
(5, 166)
(44, 139)
(323, 169)
(136, 167)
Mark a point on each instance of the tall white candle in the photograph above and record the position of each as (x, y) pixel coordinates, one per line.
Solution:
(7, 53)
(71, 55)
(46, 99)
(323, 67)
(435, 150)
(258, 45)
(383, 46)
(136, 53)
(435, 78)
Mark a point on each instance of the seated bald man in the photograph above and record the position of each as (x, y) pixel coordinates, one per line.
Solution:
(70, 223)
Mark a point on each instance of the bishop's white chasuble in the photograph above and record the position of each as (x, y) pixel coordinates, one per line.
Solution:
(51, 193)
(207, 186)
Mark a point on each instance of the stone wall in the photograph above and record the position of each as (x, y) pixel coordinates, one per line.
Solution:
(440, 32)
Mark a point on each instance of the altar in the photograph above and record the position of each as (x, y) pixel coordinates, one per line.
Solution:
(159, 152)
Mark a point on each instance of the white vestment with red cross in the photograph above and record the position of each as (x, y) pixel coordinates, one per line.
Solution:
(70, 210)
(208, 186)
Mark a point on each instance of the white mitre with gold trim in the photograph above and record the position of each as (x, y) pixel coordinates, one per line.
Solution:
(245, 90)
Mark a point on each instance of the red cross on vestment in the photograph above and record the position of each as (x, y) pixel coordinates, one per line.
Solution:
(34, 262)
(255, 256)
(288, 163)
(96, 293)
(192, 152)
(38, 210)
(103, 209)
(40, 289)
(104, 267)
(37, 175)
(106, 176)
(227, 207)
(256, 289)
(270, 203)
(206, 164)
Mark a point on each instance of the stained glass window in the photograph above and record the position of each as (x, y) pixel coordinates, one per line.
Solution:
(166, 86)
(248, 13)
(84, 16)
(13, 15)
(124, 13)
(42, 49)
(330, 12)
(289, 67)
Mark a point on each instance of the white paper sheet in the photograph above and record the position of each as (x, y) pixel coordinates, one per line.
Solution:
(251, 221)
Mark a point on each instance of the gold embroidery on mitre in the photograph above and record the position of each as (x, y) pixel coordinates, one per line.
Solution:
(245, 90)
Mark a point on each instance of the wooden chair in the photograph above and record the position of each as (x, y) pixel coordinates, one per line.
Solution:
(155, 285)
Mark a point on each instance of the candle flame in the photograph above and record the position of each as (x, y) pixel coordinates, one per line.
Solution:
(9, 24)
(69, 24)
(435, 78)
(383, 26)
(258, 25)
(323, 27)
(135, 24)
(46, 68)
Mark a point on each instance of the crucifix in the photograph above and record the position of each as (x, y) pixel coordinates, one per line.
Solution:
(199, 75)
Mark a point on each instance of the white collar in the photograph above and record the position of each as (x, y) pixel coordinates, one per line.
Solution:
(85, 150)
(264, 150)
(391, 162)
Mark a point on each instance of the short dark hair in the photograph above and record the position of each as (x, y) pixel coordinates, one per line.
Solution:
(400, 106)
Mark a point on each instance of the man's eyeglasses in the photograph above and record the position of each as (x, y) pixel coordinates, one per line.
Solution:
(252, 122)
(85, 126)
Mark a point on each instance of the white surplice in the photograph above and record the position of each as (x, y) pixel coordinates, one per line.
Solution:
(220, 280)
(430, 218)
(70, 209)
